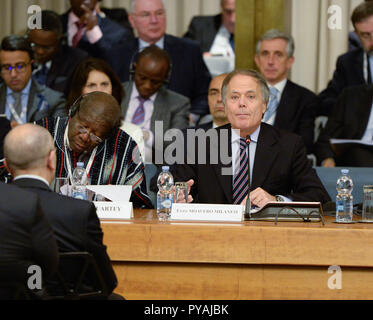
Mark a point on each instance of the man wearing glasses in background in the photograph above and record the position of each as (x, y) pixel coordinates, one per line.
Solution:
(22, 99)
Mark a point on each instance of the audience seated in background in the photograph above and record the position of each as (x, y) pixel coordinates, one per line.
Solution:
(85, 29)
(189, 75)
(148, 101)
(215, 35)
(30, 157)
(91, 135)
(26, 239)
(22, 99)
(96, 75)
(118, 15)
(279, 169)
(351, 119)
(291, 107)
(55, 61)
(354, 67)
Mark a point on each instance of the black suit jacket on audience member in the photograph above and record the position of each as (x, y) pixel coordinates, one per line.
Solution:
(112, 33)
(295, 112)
(63, 66)
(120, 16)
(75, 224)
(349, 72)
(26, 237)
(348, 120)
(4, 129)
(189, 75)
(204, 29)
(280, 167)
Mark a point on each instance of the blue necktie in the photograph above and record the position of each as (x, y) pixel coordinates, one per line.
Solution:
(41, 75)
(272, 105)
(241, 179)
(139, 115)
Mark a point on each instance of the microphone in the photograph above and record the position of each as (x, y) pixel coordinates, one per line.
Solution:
(248, 202)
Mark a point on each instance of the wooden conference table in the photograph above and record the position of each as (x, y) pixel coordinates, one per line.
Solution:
(248, 260)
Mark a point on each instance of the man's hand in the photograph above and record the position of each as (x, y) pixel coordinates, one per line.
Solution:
(328, 163)
(260, 197)
(88, 18)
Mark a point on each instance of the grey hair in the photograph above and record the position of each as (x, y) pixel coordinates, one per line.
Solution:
(251, 73)
(275, 34)
(133, 4)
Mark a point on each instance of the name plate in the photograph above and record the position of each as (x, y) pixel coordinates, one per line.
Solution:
(207, 212)
(114, 210)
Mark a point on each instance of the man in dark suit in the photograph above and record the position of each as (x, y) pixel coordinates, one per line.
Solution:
(55, 60)
(204, 29)
(86, 30)
(189, 75)
(279, 169)
(31, 159)
(351, 118)
(291, 107)
(354, 67)
(22, 99)
(148, 101)
(26, 238)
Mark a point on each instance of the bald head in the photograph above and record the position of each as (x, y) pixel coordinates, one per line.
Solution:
(97, 116)
(101, 106)
(26, 147)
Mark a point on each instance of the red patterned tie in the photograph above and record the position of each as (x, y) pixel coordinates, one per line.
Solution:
(79, 34)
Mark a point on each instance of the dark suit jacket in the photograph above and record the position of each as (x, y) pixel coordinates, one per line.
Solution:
(280, 167)
(112, 33)
(348, 120)
(62, 69)
(295, 112)
(42, 102)
(170, 107)
(75, 224)
(120, 16)
(204, 29)
(26, 237)
(4, 129)
(348, 72)
(189, 74)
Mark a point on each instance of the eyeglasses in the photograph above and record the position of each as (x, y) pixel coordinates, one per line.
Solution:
(18, 67)
(83, 130)
(147, 14)
(45, 48)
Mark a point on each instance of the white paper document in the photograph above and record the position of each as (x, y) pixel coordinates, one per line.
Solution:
(118, 193)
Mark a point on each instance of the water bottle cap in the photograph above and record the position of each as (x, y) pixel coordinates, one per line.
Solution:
(345, 171)
(165, 168)
(80, 164)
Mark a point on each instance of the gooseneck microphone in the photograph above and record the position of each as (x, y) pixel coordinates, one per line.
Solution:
(248, 202)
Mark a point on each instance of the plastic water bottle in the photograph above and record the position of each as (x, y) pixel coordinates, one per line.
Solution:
(344, 199)
(165, 184)
(80, 181)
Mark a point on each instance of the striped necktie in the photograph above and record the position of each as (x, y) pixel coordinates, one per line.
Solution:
(17, 104)
(139, 114)
(241, 180)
